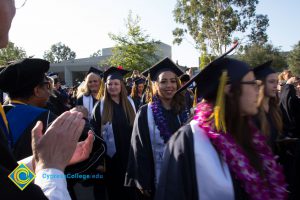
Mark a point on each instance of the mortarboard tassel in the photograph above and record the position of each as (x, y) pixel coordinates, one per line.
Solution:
(3, 116)
(195, 98)
(219, 109)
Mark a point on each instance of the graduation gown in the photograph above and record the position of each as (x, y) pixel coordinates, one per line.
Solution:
(57, 104)
(117, 136)
(137, 102)
(290, 107)
(88, 101)
(185, 176)
(7, 164)
(21, 119)
(142, 171)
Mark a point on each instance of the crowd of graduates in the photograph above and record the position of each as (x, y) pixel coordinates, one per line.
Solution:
(230, 131)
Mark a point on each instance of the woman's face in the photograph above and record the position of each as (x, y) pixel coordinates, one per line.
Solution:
(166, 85)
(93, 82)
(249, 95)
(141, 88)
(271, 85)
(113, 87)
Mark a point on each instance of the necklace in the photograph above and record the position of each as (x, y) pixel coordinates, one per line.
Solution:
(272, 186)
(160, 119)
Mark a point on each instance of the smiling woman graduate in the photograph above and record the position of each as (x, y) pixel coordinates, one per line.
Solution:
(153, 126)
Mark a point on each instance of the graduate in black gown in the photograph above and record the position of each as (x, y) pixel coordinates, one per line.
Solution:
(155, 122)
(290, 107)
(87, 93)
(269, 117)
(137, 92)
(113, 118)
(220, 154)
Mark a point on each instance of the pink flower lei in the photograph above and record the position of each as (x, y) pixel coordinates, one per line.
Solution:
(272, 186)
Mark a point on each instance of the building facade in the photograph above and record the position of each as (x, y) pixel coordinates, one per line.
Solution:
(73, 71)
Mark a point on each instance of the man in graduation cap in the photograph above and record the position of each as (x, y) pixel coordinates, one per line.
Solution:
(154, 124)
(220, 154)
(113, 118)
(28, 89)
(87, 94)
(51, 153)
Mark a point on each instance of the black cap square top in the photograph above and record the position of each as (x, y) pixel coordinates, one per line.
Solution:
(263, 70)
(114, 73)
(23, 75)
(207, 80)
(95, 71)
(165, 64)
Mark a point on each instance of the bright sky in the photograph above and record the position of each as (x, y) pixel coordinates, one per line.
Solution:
(83, 25)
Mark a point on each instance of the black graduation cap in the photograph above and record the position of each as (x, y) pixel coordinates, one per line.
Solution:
(165, 64)
(95, 71)
(263, 70)
(184, 78)
(114, 73)
(139, 81)
(23, 75)
(207, 80)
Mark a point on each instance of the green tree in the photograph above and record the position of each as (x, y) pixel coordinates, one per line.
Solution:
(294, 59)
(134, 49)
(11, 53)
(97, 53)
(258, 33)
(212, 23)
(257, 54)
(59, 52)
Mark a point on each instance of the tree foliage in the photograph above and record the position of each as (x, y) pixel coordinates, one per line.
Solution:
(97, 53)
(294, 59)
(211, 23)
(258, 33)
(134, 49)
(59, 52)
(11, 53)
(257, 54)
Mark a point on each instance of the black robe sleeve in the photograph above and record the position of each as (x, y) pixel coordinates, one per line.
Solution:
(96, 118)
(178, 179)
(178, 174)
(290, 107)
(79, 101)
(140, 170)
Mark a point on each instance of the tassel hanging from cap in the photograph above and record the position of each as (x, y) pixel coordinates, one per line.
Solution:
(195, 97)
(101, 90)
(219, 109)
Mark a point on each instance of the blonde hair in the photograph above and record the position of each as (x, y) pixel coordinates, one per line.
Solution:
(83, 88)
(108, 106)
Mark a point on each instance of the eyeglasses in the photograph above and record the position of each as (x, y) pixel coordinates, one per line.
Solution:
(255, 83)
(47, 83)
(19, 3)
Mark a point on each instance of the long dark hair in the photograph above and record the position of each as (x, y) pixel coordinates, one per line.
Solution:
(238, 126)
